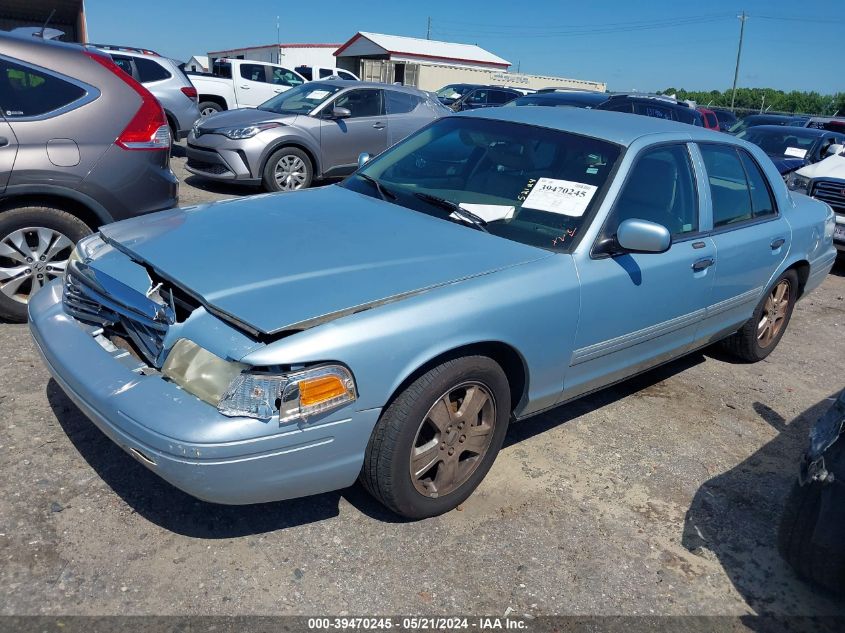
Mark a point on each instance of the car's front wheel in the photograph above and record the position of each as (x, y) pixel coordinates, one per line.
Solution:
(763, 331)
(288, 169)
(436, 441)
(35, 243)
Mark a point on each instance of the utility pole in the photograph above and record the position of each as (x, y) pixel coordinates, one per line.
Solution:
(278, 43)
(428, 31)
(742, 19)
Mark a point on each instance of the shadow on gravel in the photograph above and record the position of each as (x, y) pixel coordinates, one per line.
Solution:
(839, 266)
(222, 188)
(734, 517)
(167, 506)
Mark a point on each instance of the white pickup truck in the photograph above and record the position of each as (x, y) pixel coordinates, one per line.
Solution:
(825, 181)
(241, 83)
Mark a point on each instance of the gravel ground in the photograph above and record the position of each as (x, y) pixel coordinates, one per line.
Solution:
(658, 496)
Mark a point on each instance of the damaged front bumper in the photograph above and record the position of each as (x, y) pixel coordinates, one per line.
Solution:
(184, 440)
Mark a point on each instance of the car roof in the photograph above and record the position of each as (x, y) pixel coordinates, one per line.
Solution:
(354, 83)
(593, 97)
(618, 127)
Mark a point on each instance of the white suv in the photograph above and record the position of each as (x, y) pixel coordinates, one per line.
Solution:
(825, 181)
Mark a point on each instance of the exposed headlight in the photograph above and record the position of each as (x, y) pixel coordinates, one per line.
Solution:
(797, 182)
(237, 391)
(238, 133)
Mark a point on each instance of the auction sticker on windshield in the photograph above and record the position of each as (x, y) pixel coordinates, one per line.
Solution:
(566, 197)
(797, 152)
(318, 94)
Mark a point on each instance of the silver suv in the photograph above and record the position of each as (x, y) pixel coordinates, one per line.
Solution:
(81, 144)
(162, 77)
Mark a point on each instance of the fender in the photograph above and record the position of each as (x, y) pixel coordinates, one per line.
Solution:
(299, 141)
(13, 191)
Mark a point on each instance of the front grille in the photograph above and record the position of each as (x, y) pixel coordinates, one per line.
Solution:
(830, 191)
(209, 168)
(92, 297)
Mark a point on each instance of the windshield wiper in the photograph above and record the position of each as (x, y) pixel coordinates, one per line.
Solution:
(465, 215)
(385, 193)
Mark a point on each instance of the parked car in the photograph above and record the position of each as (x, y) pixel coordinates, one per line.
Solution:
(726, 118)
(711, 122)
(81, 144)
(825, 181)
(832, 123)
(313, 73)
(791, 148)
(162, 77)
(240, 83)
(811, 526)
(766, 119)
(577, 99)
(658, 107)
(484, 97)
(451, 93)
(489, 267)
(314, 131)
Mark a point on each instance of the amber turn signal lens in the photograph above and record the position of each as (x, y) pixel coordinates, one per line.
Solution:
(317, 390)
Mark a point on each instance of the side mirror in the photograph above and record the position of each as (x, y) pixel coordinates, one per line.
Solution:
(341, 113)
(836, 148)
(642, 236)
(363, 159)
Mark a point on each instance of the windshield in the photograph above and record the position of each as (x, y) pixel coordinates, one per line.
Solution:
(454, 91)
(781, 142)
(302, 99)
(528, 184)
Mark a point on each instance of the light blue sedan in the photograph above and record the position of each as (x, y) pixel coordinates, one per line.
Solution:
(388, 329)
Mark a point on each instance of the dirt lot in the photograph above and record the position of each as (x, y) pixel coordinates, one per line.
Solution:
(659, 496)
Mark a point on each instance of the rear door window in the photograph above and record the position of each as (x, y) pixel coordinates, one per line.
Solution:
(498, 97)
(284, 77)
(345, 75)
(305, 71)
(253, 72)
(28, 92)
(762, 201)
(150, 71)
(729, 188)
(400, 102)
(124, 63)
(325, 72)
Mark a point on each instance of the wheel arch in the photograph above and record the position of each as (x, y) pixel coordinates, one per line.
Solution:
(73, 202)
(290, 142)
(802, 269)
(221, 101)
(507, 357)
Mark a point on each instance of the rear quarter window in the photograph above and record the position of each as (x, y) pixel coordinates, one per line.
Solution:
(150, 70)
(29, 92)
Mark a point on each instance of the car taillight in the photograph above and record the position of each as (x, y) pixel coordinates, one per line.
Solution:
(148, 129)
(191, 92)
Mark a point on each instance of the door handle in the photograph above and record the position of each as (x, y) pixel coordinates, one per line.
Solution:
(379, 126)
(3, 141)
(703, 264)
(244, 87)
(776, 244)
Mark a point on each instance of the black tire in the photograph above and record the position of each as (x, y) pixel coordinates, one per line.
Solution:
(744, 343)
(386, 473)
(292, 154)
(815, 550)
(35, 217)
(209, 105)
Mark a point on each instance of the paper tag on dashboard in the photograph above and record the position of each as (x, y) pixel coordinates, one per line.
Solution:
(317, 94)
(566, 197)
(797, 152)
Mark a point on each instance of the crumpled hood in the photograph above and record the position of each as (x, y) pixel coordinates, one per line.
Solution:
(291, 260)
(242, 117)
(830, 167)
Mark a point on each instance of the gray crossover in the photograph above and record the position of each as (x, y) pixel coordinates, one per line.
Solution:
(316, 130)
(81, 145)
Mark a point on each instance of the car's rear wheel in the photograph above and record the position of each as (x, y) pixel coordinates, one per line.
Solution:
(438, 439)
(288, 169)
(35, 243)
(763, 331)
(207, 108)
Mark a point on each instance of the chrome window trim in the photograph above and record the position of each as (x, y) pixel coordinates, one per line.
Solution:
(91, 93)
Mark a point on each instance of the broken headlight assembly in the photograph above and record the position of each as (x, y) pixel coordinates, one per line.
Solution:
(237, 390)
(86, 249)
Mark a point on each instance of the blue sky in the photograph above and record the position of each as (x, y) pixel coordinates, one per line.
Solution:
(630, 44)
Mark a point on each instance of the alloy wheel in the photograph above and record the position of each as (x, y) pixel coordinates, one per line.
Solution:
(290, 173)
(208, 112)
(774, 313)
(452, 439)
(29, 258)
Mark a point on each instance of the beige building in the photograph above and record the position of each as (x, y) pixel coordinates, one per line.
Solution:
(430, 64)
